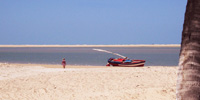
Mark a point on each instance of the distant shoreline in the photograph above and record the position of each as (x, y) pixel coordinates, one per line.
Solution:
(131, 45)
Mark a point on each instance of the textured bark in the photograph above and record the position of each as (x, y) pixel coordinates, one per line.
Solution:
(188, 83)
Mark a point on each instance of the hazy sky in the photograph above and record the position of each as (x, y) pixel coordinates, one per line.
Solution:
(91, 21)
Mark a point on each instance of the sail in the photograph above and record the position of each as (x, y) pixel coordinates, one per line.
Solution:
(101, 50)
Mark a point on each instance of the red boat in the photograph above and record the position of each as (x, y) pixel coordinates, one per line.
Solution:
(123, 62)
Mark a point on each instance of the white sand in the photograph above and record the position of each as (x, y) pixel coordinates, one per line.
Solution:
(27, 82)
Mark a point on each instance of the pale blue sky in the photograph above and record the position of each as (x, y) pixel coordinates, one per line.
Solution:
(91, 21)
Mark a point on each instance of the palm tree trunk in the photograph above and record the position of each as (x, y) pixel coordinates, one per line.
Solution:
(188, 83)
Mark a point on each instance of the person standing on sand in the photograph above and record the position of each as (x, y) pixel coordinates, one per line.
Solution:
(63, 62)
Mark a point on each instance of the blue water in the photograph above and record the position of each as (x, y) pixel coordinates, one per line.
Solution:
(154, 56)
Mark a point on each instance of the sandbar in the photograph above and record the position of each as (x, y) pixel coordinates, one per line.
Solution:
(131, 45)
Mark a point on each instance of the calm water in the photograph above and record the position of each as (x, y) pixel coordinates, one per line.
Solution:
(155, 56)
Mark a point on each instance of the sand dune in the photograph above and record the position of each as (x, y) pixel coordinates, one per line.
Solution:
(31, 82)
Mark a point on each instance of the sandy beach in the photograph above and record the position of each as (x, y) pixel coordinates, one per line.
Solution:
(52, 82)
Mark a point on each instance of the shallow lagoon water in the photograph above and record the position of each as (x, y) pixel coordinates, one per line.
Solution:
(154, 56)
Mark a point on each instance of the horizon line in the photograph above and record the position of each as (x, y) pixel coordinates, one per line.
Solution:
(99, 45)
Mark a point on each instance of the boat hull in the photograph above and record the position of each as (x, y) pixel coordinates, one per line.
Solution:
(123, 63)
